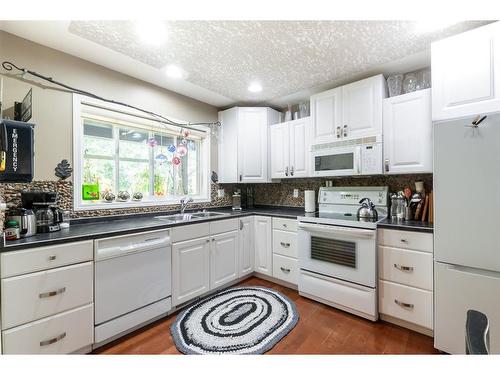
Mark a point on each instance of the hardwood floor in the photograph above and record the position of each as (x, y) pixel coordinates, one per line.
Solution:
(321, 330)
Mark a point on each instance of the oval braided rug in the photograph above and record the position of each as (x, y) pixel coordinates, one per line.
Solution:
(246, 320)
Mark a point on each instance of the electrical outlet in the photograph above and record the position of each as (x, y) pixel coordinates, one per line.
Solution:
(220, 193)
(295, 193)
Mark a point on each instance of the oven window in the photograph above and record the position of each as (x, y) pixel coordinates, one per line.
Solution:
(334, 251)
(334, 162)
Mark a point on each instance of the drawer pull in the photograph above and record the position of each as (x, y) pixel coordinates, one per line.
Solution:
(53, 293)
(52, 257)
(285, 244)
(284, 225)
(403, 268)
(53, 340)
(285, 270)
(403, 240)
(404, 304)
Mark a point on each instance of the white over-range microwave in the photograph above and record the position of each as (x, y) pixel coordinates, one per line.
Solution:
(362, 156)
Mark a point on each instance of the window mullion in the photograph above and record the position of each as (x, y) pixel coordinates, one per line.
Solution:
(151, 168)
(116, 135)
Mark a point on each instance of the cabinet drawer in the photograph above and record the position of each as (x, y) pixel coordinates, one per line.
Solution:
(286, 269)
(285, 243)
(33, 296)
(285, 224)
(221, 226)
(413, 268)
(419, 309)
(406, 239)
(60, 334)
(43, 258)
(189, 232)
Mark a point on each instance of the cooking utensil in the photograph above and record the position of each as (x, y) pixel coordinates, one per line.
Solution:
(367, 210)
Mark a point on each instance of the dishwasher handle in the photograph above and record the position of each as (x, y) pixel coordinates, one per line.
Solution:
(132, 247)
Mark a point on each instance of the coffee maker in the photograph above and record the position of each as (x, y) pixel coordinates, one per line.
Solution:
(48, 216)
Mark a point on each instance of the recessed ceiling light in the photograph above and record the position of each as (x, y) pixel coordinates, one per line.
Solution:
(151, 32)
(255, 87)
(427, 26)
(173, 71)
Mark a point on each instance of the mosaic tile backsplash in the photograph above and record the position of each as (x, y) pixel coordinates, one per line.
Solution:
(277, 194)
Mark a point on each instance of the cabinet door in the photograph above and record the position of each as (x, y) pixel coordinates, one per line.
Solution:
(280, 161)
(228, 146)
(263, 245)
(252, 144)
(190, 269)
(466, 73)
(408, 133)
(362, 107)
(300, 143)
(223, 259)
(326, 112)
(246, 246)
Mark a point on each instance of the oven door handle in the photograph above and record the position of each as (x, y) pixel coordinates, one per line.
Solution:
(331, 229)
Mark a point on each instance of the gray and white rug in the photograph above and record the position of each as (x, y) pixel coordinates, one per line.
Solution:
(246, 320)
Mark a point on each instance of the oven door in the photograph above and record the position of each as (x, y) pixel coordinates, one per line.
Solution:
(341, 161)
(341, 252)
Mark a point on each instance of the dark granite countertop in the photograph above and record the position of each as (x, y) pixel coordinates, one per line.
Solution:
(409, 225)
(93, 228)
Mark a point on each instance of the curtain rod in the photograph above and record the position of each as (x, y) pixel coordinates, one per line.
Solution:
(9, 66)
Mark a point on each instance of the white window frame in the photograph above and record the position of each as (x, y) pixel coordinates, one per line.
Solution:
(82, 106)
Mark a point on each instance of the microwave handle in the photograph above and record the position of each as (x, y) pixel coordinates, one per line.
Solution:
(360, 155)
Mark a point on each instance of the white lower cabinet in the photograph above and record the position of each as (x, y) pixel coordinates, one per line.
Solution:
(285, 250)
(246, 246)
(59, 334)
(190, 269)
(405, 271)
(263, 245)
(286, 269)
(223, 259)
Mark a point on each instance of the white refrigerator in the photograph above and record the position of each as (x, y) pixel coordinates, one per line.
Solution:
(466, 229)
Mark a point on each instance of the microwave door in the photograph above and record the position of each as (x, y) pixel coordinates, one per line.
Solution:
(338, 162)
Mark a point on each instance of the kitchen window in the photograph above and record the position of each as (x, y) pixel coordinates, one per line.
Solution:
(117, 151)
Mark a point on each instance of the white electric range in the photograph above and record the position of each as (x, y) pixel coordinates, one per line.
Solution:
(338, 251)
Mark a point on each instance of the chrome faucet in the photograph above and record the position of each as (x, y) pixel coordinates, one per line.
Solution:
(184, 203)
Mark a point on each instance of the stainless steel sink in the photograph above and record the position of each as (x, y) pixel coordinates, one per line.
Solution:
(190, 216)
(209, 214)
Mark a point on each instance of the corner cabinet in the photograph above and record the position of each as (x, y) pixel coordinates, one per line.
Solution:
(408, 133)
(244, 144)
(466, 74)
(349, 112)
(263, 245)
(290, 151)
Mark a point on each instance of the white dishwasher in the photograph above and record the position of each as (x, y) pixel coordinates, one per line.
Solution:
(132, 282)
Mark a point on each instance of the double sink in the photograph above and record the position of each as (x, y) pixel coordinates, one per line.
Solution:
(186, 217)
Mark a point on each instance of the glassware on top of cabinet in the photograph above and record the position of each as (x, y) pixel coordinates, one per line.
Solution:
(410, 83)
(288, 113)
(395, 84)
(303, 112)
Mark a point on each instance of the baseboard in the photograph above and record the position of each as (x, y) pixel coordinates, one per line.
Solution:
(405, 324)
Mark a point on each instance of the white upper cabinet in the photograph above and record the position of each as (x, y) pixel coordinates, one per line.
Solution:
(290, 147)
(362, 107)
(326, 115)
(408, 133)
(466, 74)
(243, 144)
(350, 111)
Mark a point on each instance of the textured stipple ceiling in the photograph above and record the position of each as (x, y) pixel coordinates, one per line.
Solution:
(284, 56)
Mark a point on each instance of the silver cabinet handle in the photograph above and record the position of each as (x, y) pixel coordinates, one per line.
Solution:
(404, 304)
(339, 133)
(345, 130)
(213, 239)
(291, 170)
(403, 268)
(285, 244)
(53, 293)
(53, 340)
(286, 171)
(285, 270)
(52, 257)
(404, 240)
(386, 163)
(284, 225)
(241, 225)
(208, 240)
(241, 177)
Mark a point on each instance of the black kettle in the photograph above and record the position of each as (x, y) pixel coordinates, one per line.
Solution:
(367, 210)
